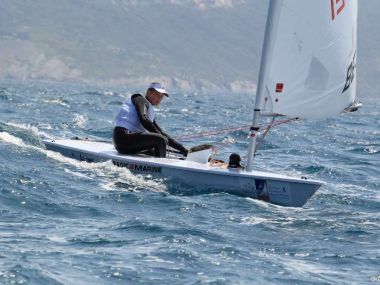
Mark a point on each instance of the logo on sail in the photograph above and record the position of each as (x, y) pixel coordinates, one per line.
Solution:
(350, 74)
(279, 87)
(336, 7)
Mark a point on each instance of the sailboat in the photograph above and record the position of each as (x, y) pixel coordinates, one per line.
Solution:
(308, 70)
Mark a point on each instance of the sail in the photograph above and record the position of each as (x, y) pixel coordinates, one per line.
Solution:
(312, 72)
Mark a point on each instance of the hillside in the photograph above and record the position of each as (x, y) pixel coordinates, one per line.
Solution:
(190, 44)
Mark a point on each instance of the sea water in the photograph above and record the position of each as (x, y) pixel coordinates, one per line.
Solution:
(64, 221)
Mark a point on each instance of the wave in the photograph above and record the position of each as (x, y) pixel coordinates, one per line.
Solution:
(80, 120)
(34, 129)
(109, 176)
(60, 102)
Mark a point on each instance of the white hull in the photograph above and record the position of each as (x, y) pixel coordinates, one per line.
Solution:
(274, 188)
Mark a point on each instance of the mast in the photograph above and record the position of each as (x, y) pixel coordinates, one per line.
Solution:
(266, 57)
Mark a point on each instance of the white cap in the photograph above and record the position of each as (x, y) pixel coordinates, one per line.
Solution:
(159, 88)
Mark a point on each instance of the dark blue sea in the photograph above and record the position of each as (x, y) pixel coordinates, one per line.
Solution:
(68, 222)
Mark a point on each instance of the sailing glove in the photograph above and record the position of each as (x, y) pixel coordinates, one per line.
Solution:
(184, 151)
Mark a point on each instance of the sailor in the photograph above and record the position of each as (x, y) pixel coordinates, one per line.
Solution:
(136, 129)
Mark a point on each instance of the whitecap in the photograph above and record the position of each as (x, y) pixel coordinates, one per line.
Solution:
(103, 171)
(108, 174)
(100, 170)
(306, 268)
(371, 150)
(79, 120)
(57, 102)
(57, 239)
(108, 93)
(8, 138)
(77, 174)
(33, 129)
(253, 220)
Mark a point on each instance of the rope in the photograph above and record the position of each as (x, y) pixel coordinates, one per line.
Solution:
(264, 135)
(233, 129)
(216, 132)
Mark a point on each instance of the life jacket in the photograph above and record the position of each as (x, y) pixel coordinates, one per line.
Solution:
(129, 119)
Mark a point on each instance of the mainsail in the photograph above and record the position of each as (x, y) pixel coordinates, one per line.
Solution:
(312, 70)
(308, 63)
